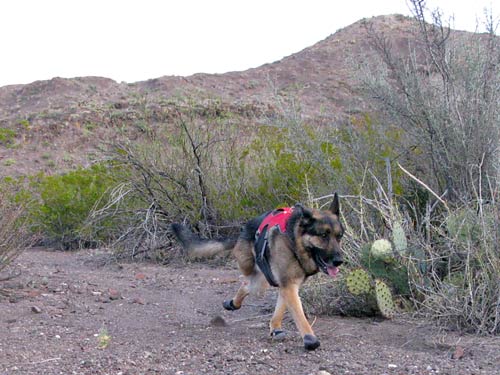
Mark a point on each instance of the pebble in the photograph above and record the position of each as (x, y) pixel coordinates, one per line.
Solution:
(36, 309)
(139, 301)
(114, 294)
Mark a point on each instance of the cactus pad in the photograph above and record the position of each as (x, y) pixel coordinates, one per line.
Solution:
(384, 298)
(399, 238)
(382, 249)
(358, 282)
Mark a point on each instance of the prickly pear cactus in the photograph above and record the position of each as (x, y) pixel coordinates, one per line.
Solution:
(384, 298)
(399, 238)
(382, 249)
(358, 282)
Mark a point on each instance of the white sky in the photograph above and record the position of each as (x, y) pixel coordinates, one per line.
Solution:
(130, 41)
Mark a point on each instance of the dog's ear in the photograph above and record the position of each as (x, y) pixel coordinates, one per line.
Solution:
(335, 206)
(306, 215)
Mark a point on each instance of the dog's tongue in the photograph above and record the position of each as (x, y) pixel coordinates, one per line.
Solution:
(332, 271)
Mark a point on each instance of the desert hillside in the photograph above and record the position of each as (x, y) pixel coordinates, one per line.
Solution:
(61, 123)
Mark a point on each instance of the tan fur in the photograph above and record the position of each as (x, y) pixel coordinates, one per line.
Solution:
(243, 252)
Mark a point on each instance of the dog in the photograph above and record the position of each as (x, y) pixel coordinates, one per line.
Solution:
(281, 248)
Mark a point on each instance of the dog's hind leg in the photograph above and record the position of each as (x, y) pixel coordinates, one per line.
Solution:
(255, 283)
(236, 302)
(246, 263)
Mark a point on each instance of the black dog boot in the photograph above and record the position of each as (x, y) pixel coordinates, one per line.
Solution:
(278, 335)
(229, 305)
(311, 342)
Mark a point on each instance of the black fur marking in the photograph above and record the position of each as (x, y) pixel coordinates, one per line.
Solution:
(292, 222)
(250, 228)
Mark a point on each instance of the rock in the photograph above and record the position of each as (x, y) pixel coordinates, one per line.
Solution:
(459, 352)
(114, 294)
(36, 309)
(139, 301)
(33, 293)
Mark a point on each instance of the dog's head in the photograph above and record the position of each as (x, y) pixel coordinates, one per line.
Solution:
(321, 232)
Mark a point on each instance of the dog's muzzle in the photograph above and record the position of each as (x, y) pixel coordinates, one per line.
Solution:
(329, 267)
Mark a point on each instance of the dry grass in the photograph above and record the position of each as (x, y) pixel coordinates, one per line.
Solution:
(14, 235)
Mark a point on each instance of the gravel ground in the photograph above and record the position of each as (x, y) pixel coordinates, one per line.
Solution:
(70, 313)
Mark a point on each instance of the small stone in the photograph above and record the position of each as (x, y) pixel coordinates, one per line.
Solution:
(114, 294)
(33, 293)
(392, 366)
(323, 372)
(139, 301)
(459, 353)
(140, 276)
(36, 309)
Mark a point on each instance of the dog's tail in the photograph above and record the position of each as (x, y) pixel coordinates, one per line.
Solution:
(197, 247)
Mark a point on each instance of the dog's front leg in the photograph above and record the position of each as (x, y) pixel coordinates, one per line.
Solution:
(290, 294)
(275, 325)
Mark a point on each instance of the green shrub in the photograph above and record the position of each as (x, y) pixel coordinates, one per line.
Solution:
(65, 201)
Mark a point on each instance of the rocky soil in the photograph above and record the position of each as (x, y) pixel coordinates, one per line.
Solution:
(79, 313)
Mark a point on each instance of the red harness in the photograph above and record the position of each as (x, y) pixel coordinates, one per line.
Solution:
(278, 217)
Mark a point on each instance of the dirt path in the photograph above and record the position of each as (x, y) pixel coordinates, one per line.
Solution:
(69, 314)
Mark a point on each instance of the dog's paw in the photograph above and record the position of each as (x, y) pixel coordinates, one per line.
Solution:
(278, 335)
(229, 305)
(311, 342)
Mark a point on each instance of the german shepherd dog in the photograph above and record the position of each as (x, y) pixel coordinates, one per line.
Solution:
(280, 248)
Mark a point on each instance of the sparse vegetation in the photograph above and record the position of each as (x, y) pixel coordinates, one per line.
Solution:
(8, 162)
(7, 136)
(445, 96)
(421, 172)
(14, 233)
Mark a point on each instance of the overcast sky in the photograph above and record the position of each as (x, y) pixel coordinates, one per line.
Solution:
(130, 40)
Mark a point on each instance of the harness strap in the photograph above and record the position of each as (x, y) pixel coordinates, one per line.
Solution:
(262, 255)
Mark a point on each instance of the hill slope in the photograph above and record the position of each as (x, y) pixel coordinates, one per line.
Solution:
(58, 124)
